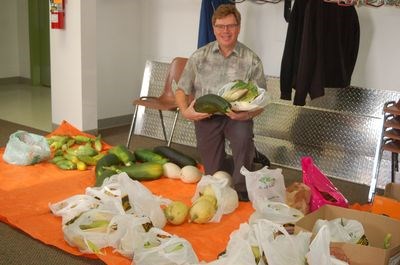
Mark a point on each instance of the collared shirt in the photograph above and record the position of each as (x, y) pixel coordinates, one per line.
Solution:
(207, 70)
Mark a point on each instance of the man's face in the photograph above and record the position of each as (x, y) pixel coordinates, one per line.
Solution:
(226, 31)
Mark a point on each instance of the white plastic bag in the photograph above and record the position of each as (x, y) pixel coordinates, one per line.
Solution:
(227, 202)
(25, 148)
(341, 229)
(276, 212)
(89, 232)
(239, 248)
(281, 249)
(73, 206)
(162, 248)
(108, 193)
(142, 201)
(265, 183)
(259, 102)
(319, 249)
(119, 189)
(128, 233)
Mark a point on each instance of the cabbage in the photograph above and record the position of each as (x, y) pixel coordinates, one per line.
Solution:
(252, 93)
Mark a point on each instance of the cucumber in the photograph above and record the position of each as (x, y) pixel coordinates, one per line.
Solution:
(175, 156)
(146, 155)
(211, 103)
(142, 171)
(104, 174)
(106, 161)
(123, 153)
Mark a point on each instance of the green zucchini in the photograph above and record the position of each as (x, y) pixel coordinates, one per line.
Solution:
(123, 153)
(146, 155)
(140, 171)
(211, 103)
(175, 156)
(106, 161)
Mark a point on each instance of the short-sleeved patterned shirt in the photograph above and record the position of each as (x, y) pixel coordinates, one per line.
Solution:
(207, 70)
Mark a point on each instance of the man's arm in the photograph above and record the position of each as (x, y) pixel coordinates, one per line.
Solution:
(181, 100)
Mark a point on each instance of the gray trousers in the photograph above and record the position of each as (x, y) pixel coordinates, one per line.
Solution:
(211, 134)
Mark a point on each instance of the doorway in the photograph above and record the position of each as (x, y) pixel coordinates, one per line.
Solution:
(39, 40)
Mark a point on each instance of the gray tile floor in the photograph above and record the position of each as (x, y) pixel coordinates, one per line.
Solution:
(26, 105)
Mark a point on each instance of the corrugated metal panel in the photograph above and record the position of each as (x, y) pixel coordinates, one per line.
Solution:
(340, 130)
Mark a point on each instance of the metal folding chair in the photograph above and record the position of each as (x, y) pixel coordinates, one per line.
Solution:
(165, 102)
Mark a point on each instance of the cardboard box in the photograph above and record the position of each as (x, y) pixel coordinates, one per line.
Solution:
(376, 227)
(392, 190)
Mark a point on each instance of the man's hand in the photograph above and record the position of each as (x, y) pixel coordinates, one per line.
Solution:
(190, 114)
(244, 115)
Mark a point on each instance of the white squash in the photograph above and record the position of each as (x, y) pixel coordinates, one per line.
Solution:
(190, 174)
(172, 170)
(223, 175)
(229, 200)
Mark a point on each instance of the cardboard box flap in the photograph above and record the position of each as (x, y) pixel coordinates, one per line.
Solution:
(365, 258)
(392, 190)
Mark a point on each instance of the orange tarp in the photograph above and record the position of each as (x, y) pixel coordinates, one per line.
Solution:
(26, 191)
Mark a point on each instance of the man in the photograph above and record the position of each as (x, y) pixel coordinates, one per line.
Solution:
(207, 70)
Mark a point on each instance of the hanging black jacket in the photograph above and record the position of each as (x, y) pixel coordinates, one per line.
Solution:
(321, 49)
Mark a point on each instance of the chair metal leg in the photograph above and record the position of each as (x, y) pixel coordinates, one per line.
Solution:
(173, 127)
(163, 126)
(131, 130)
(377, 164)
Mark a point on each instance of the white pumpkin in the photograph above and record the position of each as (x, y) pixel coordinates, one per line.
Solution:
(223, 175)
(229, 200)
(190, 174)
(172, 170)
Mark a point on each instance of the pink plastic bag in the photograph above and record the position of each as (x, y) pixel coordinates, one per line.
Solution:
(322, 190)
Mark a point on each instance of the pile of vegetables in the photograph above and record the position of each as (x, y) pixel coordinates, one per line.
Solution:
(241, 91)
(146, 164)
(75, 152)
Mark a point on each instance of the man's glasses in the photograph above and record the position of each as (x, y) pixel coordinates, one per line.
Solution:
(223, 27)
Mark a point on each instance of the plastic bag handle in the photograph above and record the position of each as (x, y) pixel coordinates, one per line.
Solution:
(281, 229)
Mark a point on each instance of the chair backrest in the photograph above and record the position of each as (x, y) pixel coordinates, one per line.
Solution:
(174, 73)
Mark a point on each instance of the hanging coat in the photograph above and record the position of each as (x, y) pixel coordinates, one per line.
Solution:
(320, 51)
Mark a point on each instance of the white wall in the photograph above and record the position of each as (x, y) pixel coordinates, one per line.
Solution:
(378, 62)
(119, 55)
(170, 28)
(66, 68)
(129, 32)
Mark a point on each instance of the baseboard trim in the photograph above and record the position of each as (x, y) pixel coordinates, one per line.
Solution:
(106, 123)
(15, 80)
(114, 121)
